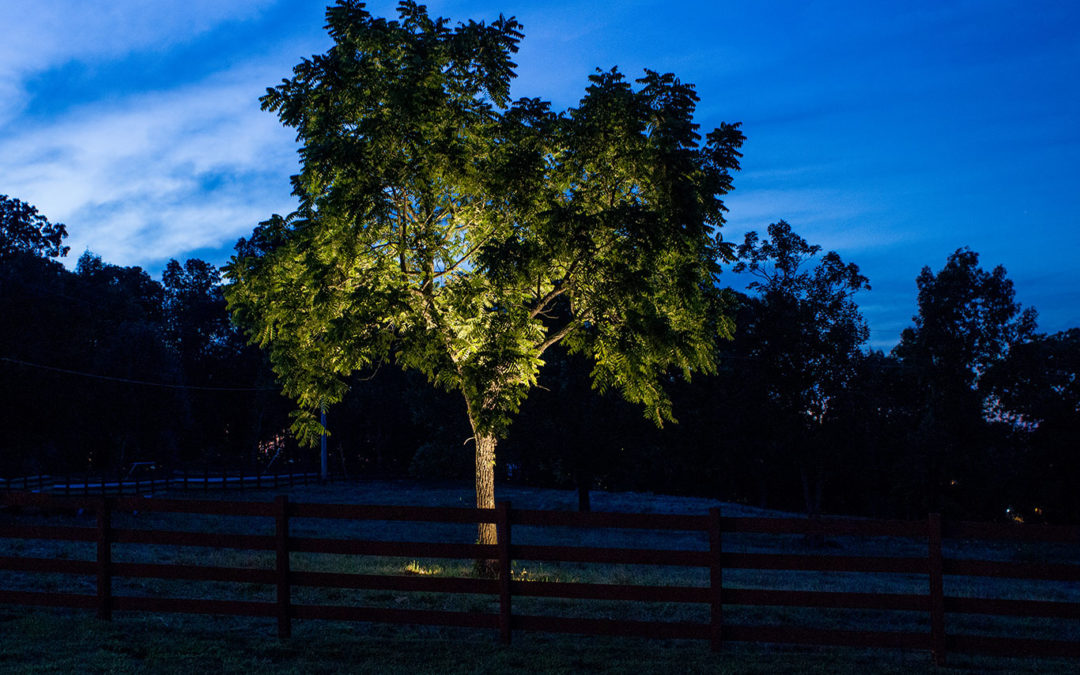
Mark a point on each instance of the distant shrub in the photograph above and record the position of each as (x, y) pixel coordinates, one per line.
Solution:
(441, 459)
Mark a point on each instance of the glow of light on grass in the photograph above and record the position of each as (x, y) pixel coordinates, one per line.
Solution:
(414, 567)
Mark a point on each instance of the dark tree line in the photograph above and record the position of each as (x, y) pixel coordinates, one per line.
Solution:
(104, 366)
(974, 412)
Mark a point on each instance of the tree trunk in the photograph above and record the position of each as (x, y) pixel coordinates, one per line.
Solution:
(485, 494)
(584, 481)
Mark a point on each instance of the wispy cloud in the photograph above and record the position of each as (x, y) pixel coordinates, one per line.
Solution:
(153, 175)
(50, 33)
(892, 135)
(835, 218)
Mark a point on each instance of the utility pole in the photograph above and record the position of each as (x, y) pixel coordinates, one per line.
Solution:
(322, 447)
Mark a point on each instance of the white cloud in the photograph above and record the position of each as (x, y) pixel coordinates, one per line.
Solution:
(836, 219)
(50, 33)
(154, 175)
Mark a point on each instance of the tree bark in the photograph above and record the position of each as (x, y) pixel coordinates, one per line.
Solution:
(485, 484)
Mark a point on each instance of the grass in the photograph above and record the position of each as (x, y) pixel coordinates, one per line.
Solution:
(35, 640)
(61, 642)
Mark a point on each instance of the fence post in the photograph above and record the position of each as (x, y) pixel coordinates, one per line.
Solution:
(502, 533)
(281, 537)
(716, 582)
(937, 590)
(104, 559)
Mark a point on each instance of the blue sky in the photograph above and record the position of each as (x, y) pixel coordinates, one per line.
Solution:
(893, 133)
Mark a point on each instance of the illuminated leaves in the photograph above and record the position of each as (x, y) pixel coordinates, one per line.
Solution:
(458, 234)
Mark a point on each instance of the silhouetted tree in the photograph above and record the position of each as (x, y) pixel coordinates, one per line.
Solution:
(124, 339)
(569, 435)
(23, 229)
(968, 321)
(873, 418)
(1036, 390)
(804, 335)
(38, 303)
(76, 349)
(214, 359)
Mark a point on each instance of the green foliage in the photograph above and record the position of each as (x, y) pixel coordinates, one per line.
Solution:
(462, 235)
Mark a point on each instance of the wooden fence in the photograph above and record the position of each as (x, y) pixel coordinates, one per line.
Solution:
(205, 480)
(933, 567)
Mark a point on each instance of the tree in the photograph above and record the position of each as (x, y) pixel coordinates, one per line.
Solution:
(196, 320)
(440, 225)
(567, 434)
(39, 323)
(1036, 389)
(874, 417)
(211, 353)
(804, 333)
(23, 229)
(121, 335)
(968, 321)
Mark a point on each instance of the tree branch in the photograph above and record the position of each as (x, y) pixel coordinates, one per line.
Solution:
(473, 249)
(545, 301)
(557, 336)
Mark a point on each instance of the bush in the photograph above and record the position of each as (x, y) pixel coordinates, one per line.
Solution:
(443, 460)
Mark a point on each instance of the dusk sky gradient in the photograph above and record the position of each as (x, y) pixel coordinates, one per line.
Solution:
(893, 133)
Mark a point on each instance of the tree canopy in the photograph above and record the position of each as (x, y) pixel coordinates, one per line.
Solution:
(968, 320)
(803, 334)
(463, 235)
(807, 331)
(23, 229)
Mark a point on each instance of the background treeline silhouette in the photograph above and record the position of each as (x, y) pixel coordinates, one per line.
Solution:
(974, 413)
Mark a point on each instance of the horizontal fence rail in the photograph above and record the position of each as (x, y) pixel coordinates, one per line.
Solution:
(205, 480)
(927, 569)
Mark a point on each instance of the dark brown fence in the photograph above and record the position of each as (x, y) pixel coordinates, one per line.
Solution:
(932, 567)
(204, 480)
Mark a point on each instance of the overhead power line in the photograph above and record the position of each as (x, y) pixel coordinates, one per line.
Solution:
(125, 380)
